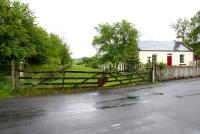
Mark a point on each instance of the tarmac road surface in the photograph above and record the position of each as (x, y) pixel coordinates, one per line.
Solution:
(166, 108)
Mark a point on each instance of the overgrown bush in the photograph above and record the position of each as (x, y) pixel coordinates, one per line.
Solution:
(92, 62)
(161, 65)
(148, 65)
(53, 60)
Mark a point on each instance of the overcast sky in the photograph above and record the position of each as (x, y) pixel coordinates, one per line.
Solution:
(74, 20)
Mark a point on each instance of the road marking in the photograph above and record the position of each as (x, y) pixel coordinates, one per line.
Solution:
(115, 125)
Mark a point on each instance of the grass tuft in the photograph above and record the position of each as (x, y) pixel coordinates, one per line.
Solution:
(5, 87)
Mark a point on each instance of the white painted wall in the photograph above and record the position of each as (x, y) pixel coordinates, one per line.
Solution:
(162, 57)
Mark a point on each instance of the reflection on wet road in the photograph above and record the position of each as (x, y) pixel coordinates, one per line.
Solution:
(120, 102)
(168, 107)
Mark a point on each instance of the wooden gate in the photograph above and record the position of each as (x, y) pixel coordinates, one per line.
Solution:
(81, 79)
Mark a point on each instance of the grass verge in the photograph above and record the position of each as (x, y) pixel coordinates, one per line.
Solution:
(44, 92)
(5, 87)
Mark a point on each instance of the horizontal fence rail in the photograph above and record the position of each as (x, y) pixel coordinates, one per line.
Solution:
(63, 79)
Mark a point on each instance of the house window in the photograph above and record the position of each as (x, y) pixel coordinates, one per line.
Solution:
(182, 58)
(154, 58)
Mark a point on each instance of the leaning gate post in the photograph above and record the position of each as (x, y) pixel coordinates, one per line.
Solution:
(153, 74)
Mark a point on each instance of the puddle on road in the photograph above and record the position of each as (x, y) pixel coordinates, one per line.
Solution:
(155, 93)
(17, 115)
(159, 94)
(120, 102)
(187, 95)
(131, 97)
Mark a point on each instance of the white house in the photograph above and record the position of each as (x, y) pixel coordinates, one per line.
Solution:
(172, 53)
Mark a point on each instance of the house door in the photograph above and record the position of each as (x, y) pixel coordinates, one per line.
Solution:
(169, 60)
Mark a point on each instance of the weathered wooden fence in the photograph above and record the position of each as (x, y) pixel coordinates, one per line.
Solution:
(80, 79)
(63, 79)
(176, 72)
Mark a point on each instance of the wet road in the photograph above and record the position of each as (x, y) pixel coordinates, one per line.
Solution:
(166, 108)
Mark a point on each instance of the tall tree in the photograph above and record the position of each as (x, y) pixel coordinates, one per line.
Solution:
(194, 35)
(65, 57)
(40, 40)
(16, 20)
(22, 39)
(50, 48)
(58, 49)
(190, 30)
(182, 26)
(114, 42)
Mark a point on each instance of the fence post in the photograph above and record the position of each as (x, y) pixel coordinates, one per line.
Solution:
(153, 74)
(13, 73)
(63, 81)
(17, 75)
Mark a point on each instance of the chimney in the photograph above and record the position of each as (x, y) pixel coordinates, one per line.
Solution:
(179, 37)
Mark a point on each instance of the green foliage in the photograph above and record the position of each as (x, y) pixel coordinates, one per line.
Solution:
(23, 40)
(50, 48)
(5, 87)
(37, 59)
(44, 67)
(190, 30)
(116, 42)
(161, 65)
(40, 39)
(182, 26)
(131, 60)
(65, 56)
(4, 64)
(82, 67)
(16, 20)
(131, 63)
(53, 60)
(148, 65)
(194, 34)
(92, 62)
